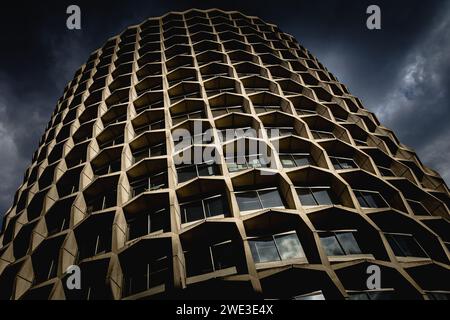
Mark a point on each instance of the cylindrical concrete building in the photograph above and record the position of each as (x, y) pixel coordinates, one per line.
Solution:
(293, 189)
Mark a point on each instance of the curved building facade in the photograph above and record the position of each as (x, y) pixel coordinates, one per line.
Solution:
(293, 189)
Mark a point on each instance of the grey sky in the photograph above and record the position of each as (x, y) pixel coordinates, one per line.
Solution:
(402, 72)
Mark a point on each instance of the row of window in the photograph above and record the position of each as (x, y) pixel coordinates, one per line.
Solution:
(209, 258)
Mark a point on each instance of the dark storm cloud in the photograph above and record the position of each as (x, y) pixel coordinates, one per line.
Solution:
(418, 104)
(401, 72)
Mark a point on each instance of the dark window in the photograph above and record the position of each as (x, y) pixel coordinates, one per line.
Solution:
(235, 133)
(94, 245)
(259, 199)
(159, 124)
(438, 295)
(209, 259)
(148, 152)
(273, 132)
(322, 134)
(103, 201)
(343, 163)
(386, 171)
(292, 160)
(418, 208)
(191, 115)
(405, 245)
(47, 265)
(225, 110)
(175, 99)
(188, 172)
(305, 112)
(145, 276)
(57, 222)
(314, 196)
(113, 142)
(155, 182)
(370, 199)
(202, 209)
(212, 92)
(261, 109)
(360, 142)
(144, 223)
(108, 168)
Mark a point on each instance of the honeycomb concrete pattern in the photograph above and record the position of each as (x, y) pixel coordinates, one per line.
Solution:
(104, 193)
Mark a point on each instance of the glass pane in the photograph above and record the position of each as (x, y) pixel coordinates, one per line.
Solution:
(157, 151)
(207, 169)
(287, 161)
(286, 132)
(158, 220)
(248, 201)
(326, 135)
(218, 112)
(306, 197)
(115, 166)
(394, 245)
(140, 186)
(157, 272)
(336, 163)
(375, 200)
(348, 242)
(236, 164)
(264, 250)
(158, 181)
(361, 200)
(323, 196)
(409, 246)
(386, 171)
(192, 212)
(223, 256)
(289, 246)
(358, 296)
(270, 198)
(380, 295)
(232, 167)
(438, 296)
(313, 296)
(331, 245)
(198, 262)
(186, 173)
(315, 134)
(110, 199)
(216, 206)
(254, 162)
(138, 226)
(303, 159)
(347, 163)
(418, 208)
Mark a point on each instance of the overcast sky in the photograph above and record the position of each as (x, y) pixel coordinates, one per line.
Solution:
(402, 72)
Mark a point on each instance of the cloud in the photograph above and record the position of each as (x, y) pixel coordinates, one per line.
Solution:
(10, 159)
(26, 105)
(418, 108)
(20, 125)
(437, 154)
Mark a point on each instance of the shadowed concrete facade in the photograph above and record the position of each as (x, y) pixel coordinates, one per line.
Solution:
(335, 194)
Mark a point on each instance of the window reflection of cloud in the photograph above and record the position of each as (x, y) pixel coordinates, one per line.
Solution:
(331, 245)
(289, 246)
